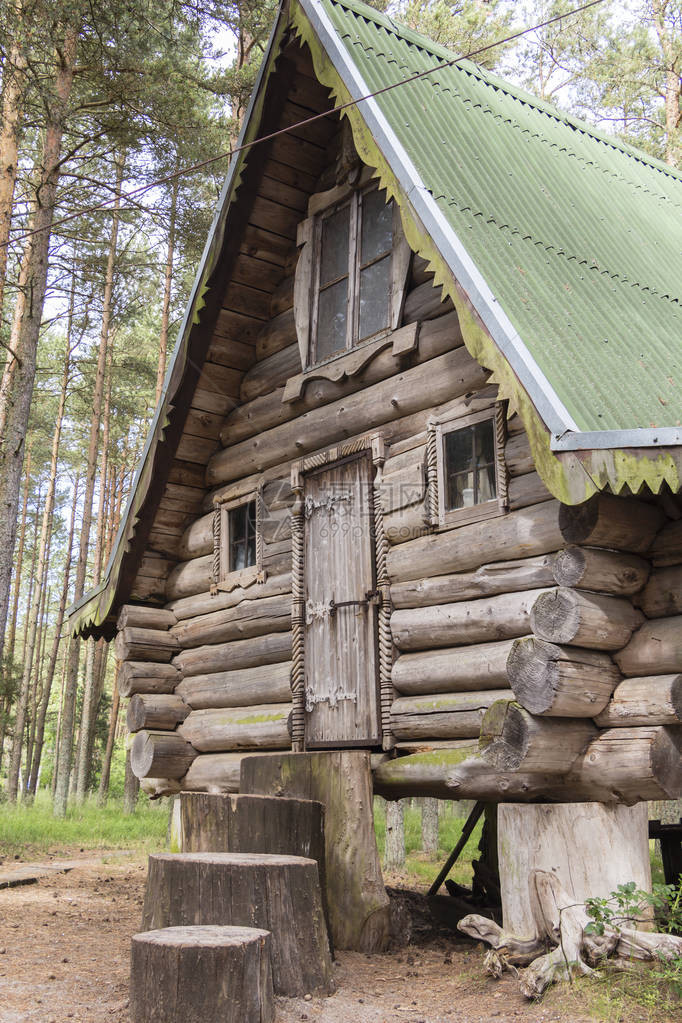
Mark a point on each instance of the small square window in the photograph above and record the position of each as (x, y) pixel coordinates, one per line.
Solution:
(237, 545)
(468, 473)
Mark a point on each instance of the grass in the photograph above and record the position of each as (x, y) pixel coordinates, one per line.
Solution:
(420, 869)
(28, 831)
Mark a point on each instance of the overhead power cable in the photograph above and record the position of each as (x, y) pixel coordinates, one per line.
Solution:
(141, 189)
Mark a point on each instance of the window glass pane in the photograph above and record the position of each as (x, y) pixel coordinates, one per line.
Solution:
(469, 467)
(484, 442)
(242, 536)
(375, 286)
(458, 452)
(377, 226)
(335, 241)
(332, 313)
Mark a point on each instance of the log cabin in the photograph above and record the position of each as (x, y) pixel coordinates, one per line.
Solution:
(413, 484)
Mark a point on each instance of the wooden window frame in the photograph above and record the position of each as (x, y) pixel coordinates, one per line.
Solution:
(441, 518)
(306, 283)
(223, 578)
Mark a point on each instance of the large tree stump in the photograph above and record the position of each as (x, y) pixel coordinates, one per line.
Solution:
(278, 893)
(201, 975)
(254, 824)
(591, 848)
(357, 900)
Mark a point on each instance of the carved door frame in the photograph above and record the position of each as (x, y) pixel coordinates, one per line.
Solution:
(373, 444)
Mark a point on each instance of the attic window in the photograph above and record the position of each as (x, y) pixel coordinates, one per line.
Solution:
(351, 273)
(237, 542)
(467, 473)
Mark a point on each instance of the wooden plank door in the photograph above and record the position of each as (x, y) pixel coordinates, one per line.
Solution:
(341, 660)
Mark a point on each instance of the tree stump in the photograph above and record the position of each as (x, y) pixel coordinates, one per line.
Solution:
(201, 975)
(590, 848)
(278, 893)
(356, 896)
(254, 824)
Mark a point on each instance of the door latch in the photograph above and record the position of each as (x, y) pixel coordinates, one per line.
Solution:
(371, 597)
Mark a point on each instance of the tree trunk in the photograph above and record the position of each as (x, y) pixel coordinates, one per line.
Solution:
(279, 892)
(394, 855)
(131, 789)
(12, 630)
(202, 975)
(167, 281)
(103, 792)
(89, 711)
(28, 315)
(13, 85)
(358, 905)
(430, 826)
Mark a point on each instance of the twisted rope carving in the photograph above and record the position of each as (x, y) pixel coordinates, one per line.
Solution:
(384, 623)
(431, 503)
(215, 572)
(298, 622)
(501, 438)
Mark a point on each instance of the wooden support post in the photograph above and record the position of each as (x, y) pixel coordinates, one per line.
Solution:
(358, 904)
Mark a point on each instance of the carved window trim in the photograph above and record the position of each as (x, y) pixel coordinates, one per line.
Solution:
(438, 517)
(222, 578)
(306, 276)
(374, 444)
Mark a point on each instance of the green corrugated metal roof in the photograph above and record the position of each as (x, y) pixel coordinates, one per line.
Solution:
(578, 236)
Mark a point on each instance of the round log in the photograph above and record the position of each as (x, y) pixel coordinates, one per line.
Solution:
(570, 840)
(634, 763)
(147, 677)
(642, 702)
(527, 490)
(486, 581)
(614, 572)
(160, 755)
(144, 617)
(520, 534)
(267, 683)
(140, 644)
(247, 890)
(189, 578)
(560, 681)
(662, 596)
(241, 653)
(251, 618)
(216, 772)
(357, 900)
(667, 547)
(586, 619)
(153, 711)
(514, 740)
(469, 621)
(446, 716)
(618, 523)
(655, 647)
(201, 975)
(261, 727)
(453, 670)
(197, 540)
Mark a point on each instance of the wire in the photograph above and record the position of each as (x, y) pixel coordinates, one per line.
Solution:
(141, 189)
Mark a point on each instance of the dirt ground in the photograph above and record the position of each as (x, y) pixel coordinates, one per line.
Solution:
(64, 948)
